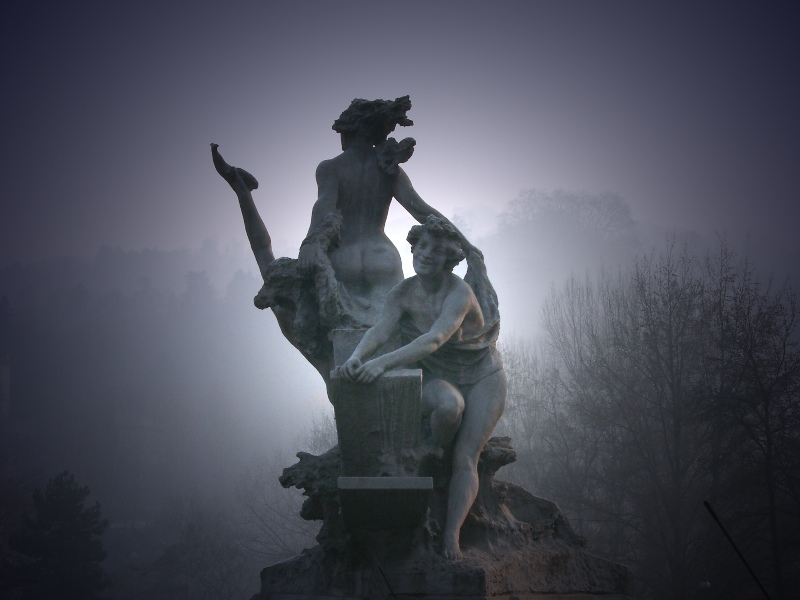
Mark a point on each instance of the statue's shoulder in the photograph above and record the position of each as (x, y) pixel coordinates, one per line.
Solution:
(463, 290)
(328, 168)
(339, 163)
(402, 289)
(458, 284)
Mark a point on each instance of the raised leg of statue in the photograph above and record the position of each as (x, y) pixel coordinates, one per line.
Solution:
(444, 405)
(243, 183)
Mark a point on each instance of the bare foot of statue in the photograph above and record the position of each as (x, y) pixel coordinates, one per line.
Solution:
(450, 547)
(229, 173)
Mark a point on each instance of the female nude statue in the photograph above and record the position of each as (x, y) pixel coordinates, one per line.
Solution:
(356, 186)
(450, 332)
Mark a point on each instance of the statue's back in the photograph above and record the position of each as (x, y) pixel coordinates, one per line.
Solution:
(364, 194)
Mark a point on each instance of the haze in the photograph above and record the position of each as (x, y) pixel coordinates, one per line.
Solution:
(122, 252)
(689, 114)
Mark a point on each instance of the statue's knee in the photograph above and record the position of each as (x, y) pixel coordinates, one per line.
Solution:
(450, 410)
(464, 462)
(441, 394)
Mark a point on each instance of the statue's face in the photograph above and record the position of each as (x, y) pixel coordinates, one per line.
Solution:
(430, 254)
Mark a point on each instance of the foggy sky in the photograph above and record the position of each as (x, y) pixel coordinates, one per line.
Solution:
(688, 112)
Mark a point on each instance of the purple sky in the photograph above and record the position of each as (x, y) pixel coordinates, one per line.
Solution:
(690, 113)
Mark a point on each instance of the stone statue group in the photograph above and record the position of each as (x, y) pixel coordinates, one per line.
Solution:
(442, 324)
(348, 276)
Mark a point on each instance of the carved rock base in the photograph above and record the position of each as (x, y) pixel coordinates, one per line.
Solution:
(514, 544)
(550, 573)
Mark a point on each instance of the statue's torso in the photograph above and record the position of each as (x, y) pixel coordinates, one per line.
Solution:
(460, 360)
(365, 261)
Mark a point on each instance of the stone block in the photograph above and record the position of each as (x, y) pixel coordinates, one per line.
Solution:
(384, 502)
(377, 423)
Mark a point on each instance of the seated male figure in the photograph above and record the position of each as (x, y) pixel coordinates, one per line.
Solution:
(464, 384)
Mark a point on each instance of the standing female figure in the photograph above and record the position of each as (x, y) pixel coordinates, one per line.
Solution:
(358, 186)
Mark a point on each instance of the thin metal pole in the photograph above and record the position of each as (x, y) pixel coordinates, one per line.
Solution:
(721, 526)
(386, 580)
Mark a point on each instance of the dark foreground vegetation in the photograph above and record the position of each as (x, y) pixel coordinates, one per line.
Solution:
(58, 551)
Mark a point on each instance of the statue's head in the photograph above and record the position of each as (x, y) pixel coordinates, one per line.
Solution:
(373, 120)
(440, 231)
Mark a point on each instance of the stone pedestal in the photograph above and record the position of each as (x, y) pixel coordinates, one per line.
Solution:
(378, 424)
(545, 574)
(380, 503)
(515, 545)
(382, 523)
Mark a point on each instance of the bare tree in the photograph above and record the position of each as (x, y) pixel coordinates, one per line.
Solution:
(751, 409)
(268, 517)
(659, 388)
(628, 349)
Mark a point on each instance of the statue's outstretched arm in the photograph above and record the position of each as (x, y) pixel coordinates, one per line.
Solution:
(243, 183)
(454, 309)
(409, 199)
(377, 335)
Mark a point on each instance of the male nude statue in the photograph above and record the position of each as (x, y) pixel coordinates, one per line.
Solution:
(443, 327)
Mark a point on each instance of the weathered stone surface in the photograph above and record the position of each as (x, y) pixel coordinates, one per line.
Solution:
(535, 571)
(348, 275)
(320, 303)
(317, 476)
(378, 424)
(346, 340)
(380, 503)
(514, 544)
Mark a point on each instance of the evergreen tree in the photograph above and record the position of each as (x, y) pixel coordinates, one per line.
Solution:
(64, 543)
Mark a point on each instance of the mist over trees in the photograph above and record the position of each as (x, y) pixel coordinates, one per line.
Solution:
(152, 380)
(642, 381)
(656, 389)
(545, 236)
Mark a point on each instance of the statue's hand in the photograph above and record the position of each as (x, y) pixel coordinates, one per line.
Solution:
(349, 370)
(370, 371)
(307, 259)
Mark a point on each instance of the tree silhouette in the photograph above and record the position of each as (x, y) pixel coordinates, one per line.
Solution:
(660, 387)
(63, 542)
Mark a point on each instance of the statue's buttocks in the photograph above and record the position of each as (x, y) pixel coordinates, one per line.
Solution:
(369, 269)
(365, 260)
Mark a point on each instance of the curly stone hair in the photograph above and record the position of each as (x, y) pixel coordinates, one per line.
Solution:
(373, 120)
(440, 228)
